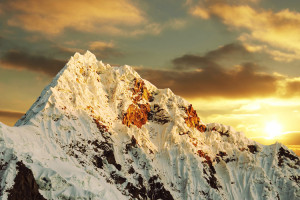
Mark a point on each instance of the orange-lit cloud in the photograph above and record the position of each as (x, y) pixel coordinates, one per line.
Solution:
(292, 138)
(279, 29)
(295, 148)
(8, 113)
(52, 17)
(293, 88)
(10, 117)
(101, 45)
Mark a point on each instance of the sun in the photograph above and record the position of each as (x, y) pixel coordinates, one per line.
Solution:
(273, 129)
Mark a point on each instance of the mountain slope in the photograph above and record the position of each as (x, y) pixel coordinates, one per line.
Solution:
(102, 132)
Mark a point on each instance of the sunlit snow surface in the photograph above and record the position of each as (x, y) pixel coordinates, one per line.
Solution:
(72, 158)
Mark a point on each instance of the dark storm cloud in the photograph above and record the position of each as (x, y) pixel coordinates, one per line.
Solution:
(232, 49)
(23, 60)
(5, 113)
(203, 76)
(227, 53)
(192, 61)
(244, 81)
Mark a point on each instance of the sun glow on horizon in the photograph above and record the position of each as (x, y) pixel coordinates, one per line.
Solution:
(273, 129)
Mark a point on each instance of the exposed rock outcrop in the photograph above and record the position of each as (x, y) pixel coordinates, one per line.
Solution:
(136, 115)
(192, 119)
(25, 186)
(140, 91)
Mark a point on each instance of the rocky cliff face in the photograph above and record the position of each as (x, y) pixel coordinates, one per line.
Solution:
(102, 132)
(138, 112)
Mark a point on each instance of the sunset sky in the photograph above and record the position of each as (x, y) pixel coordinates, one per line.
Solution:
(237, 62)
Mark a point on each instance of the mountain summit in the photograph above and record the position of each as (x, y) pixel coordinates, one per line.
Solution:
(100, 132)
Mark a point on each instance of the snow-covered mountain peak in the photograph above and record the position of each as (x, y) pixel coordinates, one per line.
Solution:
(103, 132)
(82, 82)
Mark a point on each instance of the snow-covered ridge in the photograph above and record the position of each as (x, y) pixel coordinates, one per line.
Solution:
(102, 132)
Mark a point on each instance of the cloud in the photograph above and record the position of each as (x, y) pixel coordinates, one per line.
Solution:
(193, 61)
(177, 23)
(10, 117)
(232, 51)
(243, 81)
(119, 18)
(52, 17)
(293, 88)
(66, 51)
(278, 29)
(24, 61)
(7, 113)
(295, 148)
(104, 49)
(292, 138)
(289, 138)
(207, 76)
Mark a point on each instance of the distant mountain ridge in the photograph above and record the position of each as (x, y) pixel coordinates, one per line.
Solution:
(102, 132)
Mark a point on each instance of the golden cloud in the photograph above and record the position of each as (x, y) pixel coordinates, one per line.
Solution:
(52, 17)
(278, 29)
(101, 45)
(252, 115)
(295, 148)
(200, 12)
